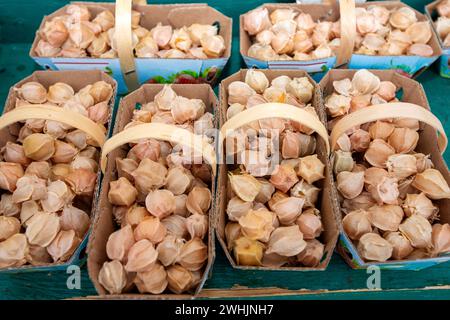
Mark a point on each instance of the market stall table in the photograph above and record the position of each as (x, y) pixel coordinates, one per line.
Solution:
(338, 282)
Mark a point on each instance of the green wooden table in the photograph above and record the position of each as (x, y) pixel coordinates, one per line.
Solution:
(19, 20)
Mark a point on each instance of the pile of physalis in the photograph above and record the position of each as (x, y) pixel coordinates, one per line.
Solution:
(274, 186)
(161, 200)
(48, 175)
(388, 191)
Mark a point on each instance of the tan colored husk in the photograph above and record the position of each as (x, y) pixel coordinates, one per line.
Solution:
(325, 204)
(413, 92)
(322, 12)
(176, 15)
(104, 222)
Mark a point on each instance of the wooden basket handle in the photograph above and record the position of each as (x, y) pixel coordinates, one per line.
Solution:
(275, 110)
(123, 35)
(49, 112)
(164, 132)
(140, 2)
(386, 111)
(348, 31)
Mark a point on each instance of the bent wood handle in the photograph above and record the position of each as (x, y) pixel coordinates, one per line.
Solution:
(348, 31)
(386, 111)
(275, 110)
(123, 35)
(49, 112)
(164, 132)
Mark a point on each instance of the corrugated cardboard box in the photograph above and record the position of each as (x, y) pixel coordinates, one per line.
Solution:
(318, 67)
(150, 69)
(412, 92)
(327, 200)
(410, 66)
(444, 61)
(104, 223)
(78, 80)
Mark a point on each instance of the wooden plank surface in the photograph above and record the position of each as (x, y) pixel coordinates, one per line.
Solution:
(18, 20)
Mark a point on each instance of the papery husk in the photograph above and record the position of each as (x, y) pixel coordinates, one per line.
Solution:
(419, 204)
(30, 188)
(176, 225)
(245, 186)
(39, 147)
(64, 245)
(350, 184)
(342, 161)
(373, 247)
(119, 243)
(13, 251)
(237, 208)
(386, 217)
(232, 233)
(141, 256)
(310, 224)
(360, 140)
(257, 224)
(149, 175)
(9, 226)
(418, 230)
(441, 238)
(403, 140)
(153, 281)
(283, 177)
(179, 279)
(113, 277)
(193, 255)
(160, 203)
(151, 229)
(402, 165)
(75, 219)
(288, 209)
(286, 241)
(401, 245)
(199, 200)
(135, 215)
(38, 256)
(42, 229)
(356, 223)
(10, 173)
(311, 169)
(312, 254)
(432, 184)
(8, 207)
(82, 181)
(378, 153)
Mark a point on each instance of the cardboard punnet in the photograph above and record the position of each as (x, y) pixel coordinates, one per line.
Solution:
(412, 92)
(327, 203)
(104, 223)
(150, 69)
(78, 80)
(444, 61)
(410, 66)
(317, 68)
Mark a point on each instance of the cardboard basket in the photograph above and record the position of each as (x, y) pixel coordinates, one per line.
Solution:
(104, 223)
(130, 71)
(410, 66)
(327, 200)
(429, 143)
(444, 61)
(11, 115)
(329, 11)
